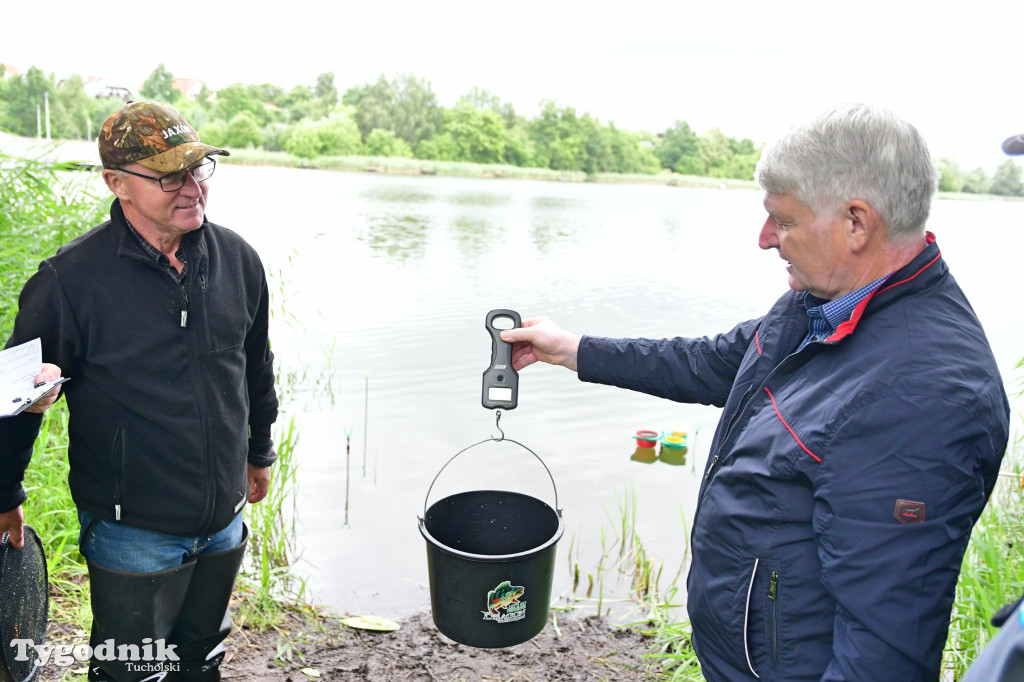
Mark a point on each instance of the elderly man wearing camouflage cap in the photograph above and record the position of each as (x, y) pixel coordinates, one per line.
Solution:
(160, 320)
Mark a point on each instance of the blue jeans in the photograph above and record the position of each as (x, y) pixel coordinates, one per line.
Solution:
(124, 548)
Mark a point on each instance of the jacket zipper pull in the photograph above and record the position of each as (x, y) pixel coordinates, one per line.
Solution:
(773, 586)
(118, 466)
(184, 308)
(711, 468)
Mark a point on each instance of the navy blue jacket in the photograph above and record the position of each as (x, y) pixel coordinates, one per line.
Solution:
(843, 480)
(164, 415)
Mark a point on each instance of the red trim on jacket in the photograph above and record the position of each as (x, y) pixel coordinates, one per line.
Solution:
(757, 342)
(791, 432)
(846, 328)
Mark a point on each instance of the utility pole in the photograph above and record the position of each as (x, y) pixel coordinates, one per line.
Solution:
(46, 100)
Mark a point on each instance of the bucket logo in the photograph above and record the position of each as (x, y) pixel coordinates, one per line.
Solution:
(505, 596)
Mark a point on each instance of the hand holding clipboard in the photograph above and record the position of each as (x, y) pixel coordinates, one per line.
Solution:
(19, 368)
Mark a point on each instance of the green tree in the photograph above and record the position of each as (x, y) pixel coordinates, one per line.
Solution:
(406, 106)
(385, 143)
(633, 152)
(24, 99)
(951, 177)
(302, 103)
(976, 182)
(237, 98)
(440, 147)
(744, 157)
(598, 140)
(339, 134)
(1006, 181)
(243, 130)
(194, 112)
(213, 132)
(477, 136)
(70, 109)
(483, 100)
(679, 150)
(303, 141)
(519, 149)
(160, 86)
(715, 153)
(558, 139)
(336, 135)
(354, 95)
(325, 90)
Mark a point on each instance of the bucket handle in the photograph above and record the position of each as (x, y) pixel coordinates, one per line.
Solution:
(496, 440)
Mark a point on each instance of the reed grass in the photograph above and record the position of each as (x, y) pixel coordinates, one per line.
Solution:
(42, 205)
(992, 572)
(266, 579)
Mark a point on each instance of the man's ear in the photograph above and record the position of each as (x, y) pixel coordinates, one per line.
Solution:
(115, 182)
(863, 224)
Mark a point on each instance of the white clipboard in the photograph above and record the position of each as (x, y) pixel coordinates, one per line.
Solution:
(19, 366)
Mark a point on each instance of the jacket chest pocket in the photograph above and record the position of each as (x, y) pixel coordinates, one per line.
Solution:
(223, 314)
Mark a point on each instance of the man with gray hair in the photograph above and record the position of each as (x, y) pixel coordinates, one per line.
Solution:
(864, 421)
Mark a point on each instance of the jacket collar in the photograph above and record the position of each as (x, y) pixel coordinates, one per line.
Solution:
(126, 242)
(913, 276)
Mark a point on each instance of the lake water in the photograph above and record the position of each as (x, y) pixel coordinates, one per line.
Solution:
(381, 286)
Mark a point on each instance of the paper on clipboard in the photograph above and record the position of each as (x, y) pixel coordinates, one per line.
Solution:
(19, 366)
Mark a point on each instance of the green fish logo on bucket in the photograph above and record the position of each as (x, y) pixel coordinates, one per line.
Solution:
(505, 596)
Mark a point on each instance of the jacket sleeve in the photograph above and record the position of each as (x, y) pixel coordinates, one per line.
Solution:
(894, 507)
(259, 375)
(700, 370)
(43, 314)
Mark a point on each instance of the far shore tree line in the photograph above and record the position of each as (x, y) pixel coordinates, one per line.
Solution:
(401, 117)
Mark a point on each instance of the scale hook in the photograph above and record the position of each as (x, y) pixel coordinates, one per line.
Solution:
(497, 423)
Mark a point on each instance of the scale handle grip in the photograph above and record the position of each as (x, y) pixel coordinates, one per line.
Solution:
(500, 381)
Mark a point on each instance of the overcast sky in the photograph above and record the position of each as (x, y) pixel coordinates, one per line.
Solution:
(750, 68)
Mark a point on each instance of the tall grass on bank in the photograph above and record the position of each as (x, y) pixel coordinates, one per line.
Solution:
(266, 578)
(401, 166)
(992, 573)
(625, 560)
(42, 205)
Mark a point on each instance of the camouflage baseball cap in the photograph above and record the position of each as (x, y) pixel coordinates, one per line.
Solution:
(153, 134)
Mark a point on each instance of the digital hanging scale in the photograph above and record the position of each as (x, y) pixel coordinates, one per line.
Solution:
(501, 382)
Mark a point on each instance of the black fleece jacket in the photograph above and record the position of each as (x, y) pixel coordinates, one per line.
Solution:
(172, 387)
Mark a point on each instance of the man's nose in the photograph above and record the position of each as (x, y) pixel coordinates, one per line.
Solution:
(191, 187)
(769, 237)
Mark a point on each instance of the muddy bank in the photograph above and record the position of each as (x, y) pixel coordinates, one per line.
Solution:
(322, 648)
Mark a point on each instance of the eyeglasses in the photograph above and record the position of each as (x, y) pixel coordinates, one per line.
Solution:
(172, 182)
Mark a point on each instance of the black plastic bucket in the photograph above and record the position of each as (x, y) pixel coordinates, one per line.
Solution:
(491, 558)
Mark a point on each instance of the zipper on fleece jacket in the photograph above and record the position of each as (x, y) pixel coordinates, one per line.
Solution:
(184, 306)
(117, 457)
(199, 384)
